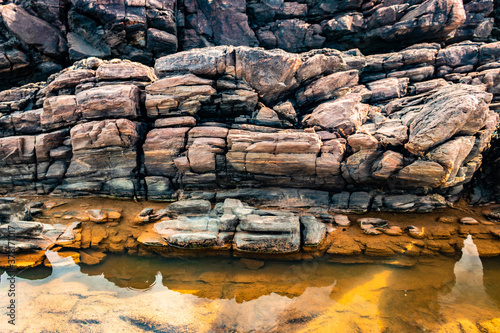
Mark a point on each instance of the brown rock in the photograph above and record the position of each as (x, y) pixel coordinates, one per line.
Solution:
(68, 79)
(33, 31)
(59, 111)
(105, 133)
(162, 145)
(422, 173)
(176, 122)
(125, 70)
(327, 87)
(113, 101)
(451, 110)
(345, 114)
(389, 163)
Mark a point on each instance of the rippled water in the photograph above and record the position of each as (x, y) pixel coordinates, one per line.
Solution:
(136, 294)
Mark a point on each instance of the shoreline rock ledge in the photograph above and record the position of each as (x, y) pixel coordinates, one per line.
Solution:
(333, 128)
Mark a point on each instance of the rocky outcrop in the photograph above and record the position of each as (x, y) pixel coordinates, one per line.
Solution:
(230, 117)
(229, 227)
(39, 37)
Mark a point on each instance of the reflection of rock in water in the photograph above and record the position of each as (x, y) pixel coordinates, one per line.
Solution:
(469, 269)
(468, 298)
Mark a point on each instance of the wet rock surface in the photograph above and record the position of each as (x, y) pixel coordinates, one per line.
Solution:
(231, 227)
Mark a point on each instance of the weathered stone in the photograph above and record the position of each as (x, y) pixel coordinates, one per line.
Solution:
(345, 114)
(190, 207)
(59, 111)
(371, 222)
(97, 215)
(387, 89)
(21, 229)
(468, 220)
(313, 231)
(389, 163)
(124, 70)
(176, 122)
(33, 31)
(327, 87)
(113, 101)
(162, 145)
(451, 110)
(422, 173)
(342, 220)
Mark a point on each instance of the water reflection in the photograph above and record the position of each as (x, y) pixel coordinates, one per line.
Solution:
(468, 298)
(224, 295)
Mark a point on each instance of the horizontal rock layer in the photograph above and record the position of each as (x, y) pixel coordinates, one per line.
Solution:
(39, 36)
(237, 117)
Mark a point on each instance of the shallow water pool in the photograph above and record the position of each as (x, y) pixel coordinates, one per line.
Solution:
(136, 294)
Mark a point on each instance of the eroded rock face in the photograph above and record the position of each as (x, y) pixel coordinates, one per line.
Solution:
(228, 117)
(452, 110)
(40, 36)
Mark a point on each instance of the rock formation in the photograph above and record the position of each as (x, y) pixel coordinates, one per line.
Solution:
(351, 105)
(380, 132)
(39, 37)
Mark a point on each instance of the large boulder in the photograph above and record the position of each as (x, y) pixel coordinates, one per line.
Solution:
(450, 110)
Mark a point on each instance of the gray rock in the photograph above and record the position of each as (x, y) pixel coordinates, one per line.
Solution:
(22, 229)
(313, 231)
(371, 222)
(267, 243)
(190, 207)
(15, 246)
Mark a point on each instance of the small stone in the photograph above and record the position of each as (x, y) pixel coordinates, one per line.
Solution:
(468, 220)
(67, 217)
(114, 215)
(342, 220)
(146, 212)
(83, 217)
(415, 232)
(57, 216)
(448, 219)
(36, 211)
(97, 215)
(252, 264)
(35, 204)
(372, 231)
(372, 222)
(393, 231)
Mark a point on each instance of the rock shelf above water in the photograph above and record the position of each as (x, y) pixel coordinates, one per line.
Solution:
(194, 228)
(225, 118)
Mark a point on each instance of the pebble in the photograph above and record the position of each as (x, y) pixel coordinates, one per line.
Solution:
(415, 232)
(448, 219)
(97, 215)
(468, 220)
(393, 231)
(342, 220)
(370, 222)
(372, 231)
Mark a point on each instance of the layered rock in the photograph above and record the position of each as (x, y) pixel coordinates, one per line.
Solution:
(38, 37)
(230, 117)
